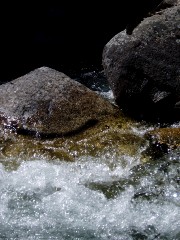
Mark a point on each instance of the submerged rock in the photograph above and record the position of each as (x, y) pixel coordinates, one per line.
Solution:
(168, 136)
(112, 139)
(162, 140)
(143, 68)
(48, 102)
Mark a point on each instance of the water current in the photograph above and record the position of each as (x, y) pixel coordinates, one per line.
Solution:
(92, 198)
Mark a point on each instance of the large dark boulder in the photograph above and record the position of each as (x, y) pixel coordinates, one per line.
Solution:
(143, 68)
(48, 102)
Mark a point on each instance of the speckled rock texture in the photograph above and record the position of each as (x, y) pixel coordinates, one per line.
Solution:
(143, 69)
(48, 102)
(162, 141)
(167, 136)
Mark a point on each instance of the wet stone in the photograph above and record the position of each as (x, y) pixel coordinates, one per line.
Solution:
(47, 102)
(162, 141)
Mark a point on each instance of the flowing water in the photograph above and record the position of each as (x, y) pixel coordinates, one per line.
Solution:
(92, 198)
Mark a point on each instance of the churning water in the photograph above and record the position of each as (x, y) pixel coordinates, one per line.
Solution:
(92, 198)
(89, 199)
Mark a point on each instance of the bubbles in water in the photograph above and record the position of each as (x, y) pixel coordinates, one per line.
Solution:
(89, 200)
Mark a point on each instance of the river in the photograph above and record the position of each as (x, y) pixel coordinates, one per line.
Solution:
(96, 198)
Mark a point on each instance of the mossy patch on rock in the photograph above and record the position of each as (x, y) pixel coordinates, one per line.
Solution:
(111, 138)
(168, 136)
(162, 140)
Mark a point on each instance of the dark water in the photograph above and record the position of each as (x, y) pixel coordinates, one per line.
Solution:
(65, 35)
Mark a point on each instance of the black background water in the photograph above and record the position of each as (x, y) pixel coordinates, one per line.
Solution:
(67, 36)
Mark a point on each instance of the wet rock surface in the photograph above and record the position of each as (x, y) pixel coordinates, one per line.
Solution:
(111, 138)
(168, 136)
(162, 141)
(143, 68)
(48, 102)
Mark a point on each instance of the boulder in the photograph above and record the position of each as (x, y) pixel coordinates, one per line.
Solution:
(143, 68)
(144, 8)
(48, 102)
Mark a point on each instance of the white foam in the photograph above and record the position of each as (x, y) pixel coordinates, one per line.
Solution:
(41, 200)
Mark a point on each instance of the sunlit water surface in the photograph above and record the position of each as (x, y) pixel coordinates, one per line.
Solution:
(91, 198)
